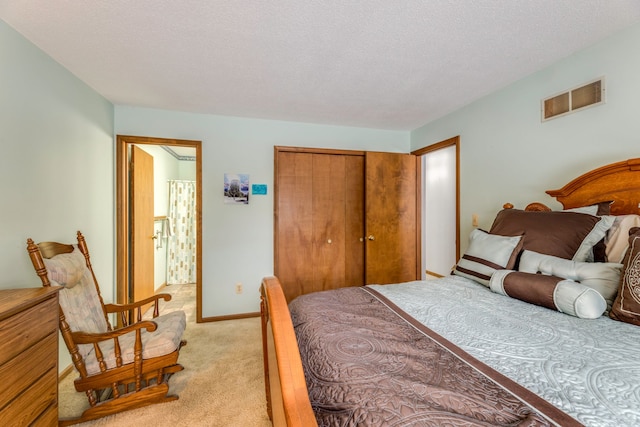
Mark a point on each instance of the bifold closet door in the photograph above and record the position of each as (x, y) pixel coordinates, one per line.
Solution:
(345, 220)
(354, 221)
(294, 222)
(319, 222)
(391, 222)
(338, 218)
(328, 201)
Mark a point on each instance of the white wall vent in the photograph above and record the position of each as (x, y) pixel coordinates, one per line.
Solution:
(587, 95)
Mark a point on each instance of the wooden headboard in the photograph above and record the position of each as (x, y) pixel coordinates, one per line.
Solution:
(618, 182)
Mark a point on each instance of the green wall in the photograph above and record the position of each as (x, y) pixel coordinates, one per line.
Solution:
(56, 164)
(237, 244)
(508, 155)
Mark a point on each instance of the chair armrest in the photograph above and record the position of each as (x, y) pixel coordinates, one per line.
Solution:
(93, 338)
(132, 313)
(116, 308)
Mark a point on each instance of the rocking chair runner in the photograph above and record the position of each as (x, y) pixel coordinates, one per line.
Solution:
(120, 369)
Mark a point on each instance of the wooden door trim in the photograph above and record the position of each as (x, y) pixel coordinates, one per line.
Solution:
(122, 209)
(455, 141)
(313, 150)
(418, 217)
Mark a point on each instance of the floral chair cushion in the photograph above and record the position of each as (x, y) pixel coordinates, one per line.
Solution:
(164, 340)
(78, 298)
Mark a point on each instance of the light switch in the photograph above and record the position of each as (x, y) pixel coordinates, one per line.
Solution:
(474, 220)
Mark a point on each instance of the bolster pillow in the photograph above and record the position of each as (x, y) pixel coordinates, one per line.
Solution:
(556, 293)
(603, 277)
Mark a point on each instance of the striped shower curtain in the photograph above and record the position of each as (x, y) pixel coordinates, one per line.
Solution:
(181, 250)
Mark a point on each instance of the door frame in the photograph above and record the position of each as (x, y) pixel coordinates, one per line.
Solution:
(455, 141)
(122, 212)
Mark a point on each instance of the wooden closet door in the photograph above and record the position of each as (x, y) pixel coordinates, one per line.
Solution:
(322, 228)
(294, 222)
(329, 195)
(319, 221)
(354, 221)
(391, 222)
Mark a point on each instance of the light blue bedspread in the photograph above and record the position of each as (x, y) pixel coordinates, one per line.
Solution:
(588, 368)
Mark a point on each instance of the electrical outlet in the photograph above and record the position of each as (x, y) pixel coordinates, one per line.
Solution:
(238, 288)
(474, 220)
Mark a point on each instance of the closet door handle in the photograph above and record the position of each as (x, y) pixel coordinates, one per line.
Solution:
(329, 241)
(371, 237)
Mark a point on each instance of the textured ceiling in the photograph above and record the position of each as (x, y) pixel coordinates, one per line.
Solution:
(390, 64)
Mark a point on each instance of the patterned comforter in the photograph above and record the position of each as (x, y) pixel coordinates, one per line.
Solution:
(384, 355)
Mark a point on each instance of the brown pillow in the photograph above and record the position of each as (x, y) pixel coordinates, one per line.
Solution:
(599, 250)
(604, 208)
(552, 233)
(626, 307)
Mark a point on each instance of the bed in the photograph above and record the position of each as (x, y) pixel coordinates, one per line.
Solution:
(539, 324)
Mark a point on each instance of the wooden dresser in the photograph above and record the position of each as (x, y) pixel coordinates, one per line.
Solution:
(29, 357)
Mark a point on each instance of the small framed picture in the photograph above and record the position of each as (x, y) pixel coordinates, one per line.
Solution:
(236, 188)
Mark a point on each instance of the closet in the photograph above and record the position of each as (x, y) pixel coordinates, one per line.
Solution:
(344, 218)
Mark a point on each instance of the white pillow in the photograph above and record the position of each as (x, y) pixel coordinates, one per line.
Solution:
(591, 210)
(597, 233)
(617, 239)
(603, 277)
(487, 253)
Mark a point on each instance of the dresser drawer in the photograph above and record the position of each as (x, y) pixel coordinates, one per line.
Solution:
(48, 418)
(22, 371)
(27, 407)
(24, 329)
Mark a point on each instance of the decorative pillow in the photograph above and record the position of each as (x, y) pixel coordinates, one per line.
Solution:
(568, 235)
(590, 210)
(603, 277)
(617, 239)
(599, 209)
(66, 269)
(626, 307)
(486, 254)
(556, 293)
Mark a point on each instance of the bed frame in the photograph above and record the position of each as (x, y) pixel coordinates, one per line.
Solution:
(287, 396)
(288, 401)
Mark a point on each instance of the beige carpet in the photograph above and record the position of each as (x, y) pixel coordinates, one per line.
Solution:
(222, 382)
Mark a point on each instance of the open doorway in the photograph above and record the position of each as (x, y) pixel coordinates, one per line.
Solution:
(440, 206)
(146, 235)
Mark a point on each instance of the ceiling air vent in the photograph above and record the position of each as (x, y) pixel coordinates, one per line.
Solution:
(574, 99)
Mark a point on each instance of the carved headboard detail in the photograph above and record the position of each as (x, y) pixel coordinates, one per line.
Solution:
(618, 182)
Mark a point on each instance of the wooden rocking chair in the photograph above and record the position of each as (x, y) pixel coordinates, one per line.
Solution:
(120, 369)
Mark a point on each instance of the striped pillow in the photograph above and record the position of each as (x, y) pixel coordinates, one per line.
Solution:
(486, 254)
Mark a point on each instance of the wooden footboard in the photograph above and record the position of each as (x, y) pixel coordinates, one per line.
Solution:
(286, 390)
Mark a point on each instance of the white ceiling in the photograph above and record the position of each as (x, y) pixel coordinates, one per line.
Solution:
(389, 64)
